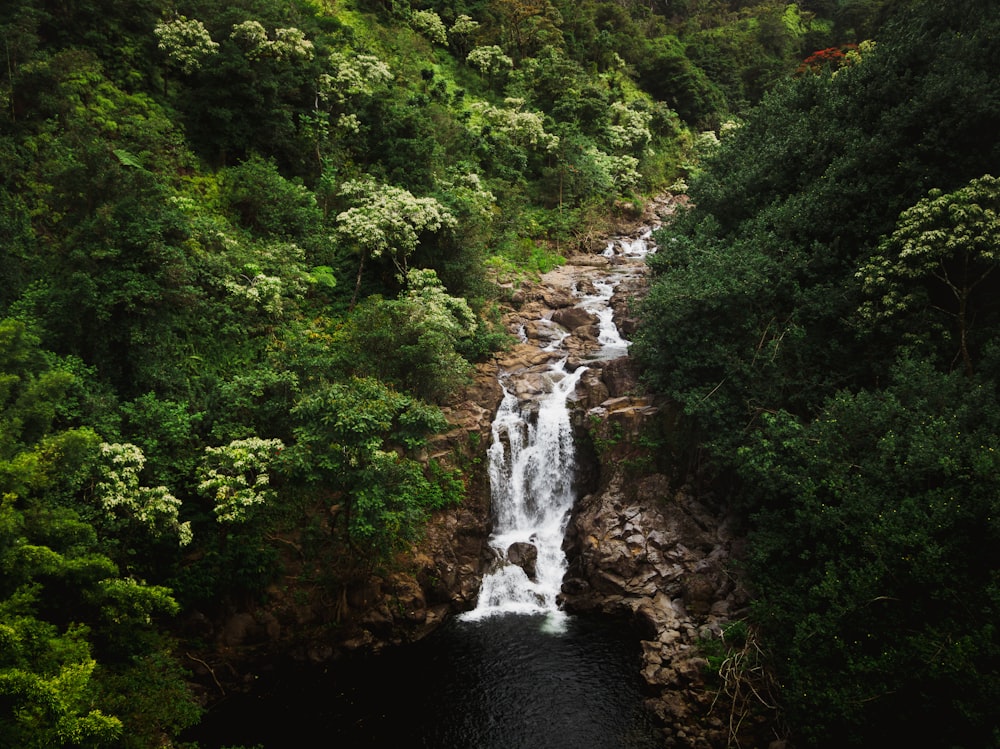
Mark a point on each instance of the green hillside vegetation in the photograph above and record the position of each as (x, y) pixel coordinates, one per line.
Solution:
(249, 248)
(827, 316)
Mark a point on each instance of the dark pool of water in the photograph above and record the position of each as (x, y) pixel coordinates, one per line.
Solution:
(511, 682)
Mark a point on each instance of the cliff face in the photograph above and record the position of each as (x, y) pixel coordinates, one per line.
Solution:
(646, 546)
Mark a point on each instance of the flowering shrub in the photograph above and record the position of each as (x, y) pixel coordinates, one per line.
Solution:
(236, 478)
(124, 502)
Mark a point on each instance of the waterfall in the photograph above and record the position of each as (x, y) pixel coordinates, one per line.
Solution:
(531, 467)
(531, 458)
(599, 304)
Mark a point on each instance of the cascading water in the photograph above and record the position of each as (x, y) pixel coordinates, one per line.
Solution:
(531, 461)
(531, 464)
(542, 680)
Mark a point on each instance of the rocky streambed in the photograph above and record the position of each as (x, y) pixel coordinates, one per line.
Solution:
(641, 542)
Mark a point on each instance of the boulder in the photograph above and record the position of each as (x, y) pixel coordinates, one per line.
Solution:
(572, 318)
(525, 556)
(620, 377)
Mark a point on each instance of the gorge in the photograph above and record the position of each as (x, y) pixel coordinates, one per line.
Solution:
(583, 524)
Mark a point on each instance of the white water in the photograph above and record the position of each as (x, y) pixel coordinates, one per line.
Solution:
(531, 458)
(531, 474)
(599, 304)
(631, 247)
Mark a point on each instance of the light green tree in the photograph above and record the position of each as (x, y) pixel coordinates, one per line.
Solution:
(524, 128)
(124, 503)
(490, 61)
(461, 34)
(348, 76)
(387, 220)
(429, 23)
(186, 43)
(236, 477)
(288, 43)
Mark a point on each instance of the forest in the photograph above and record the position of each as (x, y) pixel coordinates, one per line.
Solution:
(250, 248)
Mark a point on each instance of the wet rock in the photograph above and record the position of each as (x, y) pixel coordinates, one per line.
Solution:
(525, 556)
(572, 318)
(620, 377)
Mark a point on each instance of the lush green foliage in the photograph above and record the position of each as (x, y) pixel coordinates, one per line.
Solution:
(247, 248)
(875, 560)
(826, 317)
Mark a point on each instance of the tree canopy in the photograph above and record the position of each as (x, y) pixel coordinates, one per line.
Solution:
(825, 317)
(249, 249)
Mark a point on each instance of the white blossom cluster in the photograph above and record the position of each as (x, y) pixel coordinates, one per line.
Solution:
(429, 23)
(464, 26)
(489, 60)
(629, 127)
(123, 500)
(620, 171)
(439, 310)
(478, 200)
(357, 75)
(259, 290)
(523, 128)
(288, 43)
(186, 43)
(387, 218)
(235, 476)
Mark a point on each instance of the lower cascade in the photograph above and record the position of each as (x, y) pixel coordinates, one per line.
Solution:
(531, 465)
(516, 670)
(532, 460)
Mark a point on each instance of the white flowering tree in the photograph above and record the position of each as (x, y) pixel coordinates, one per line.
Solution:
(521, 127)
(387, 220)
(289, 44)
(348, 76)
(939, 257)
(346, 80)
(125, 503)
(429, 23)
(236, 477)
(619, 173)
(186, 43)
(629, 128)
(490, 61)
(461, 34)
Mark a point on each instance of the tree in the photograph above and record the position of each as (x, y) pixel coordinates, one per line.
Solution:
(387, 220)
(429, 23)
(874, 560)
(262, 200)
(941, 256)
(413, 342)
(186, 43)
(236, 477)
(125, 505)
(460, 35)
(355, 439)
(70, 617)
(490, 61)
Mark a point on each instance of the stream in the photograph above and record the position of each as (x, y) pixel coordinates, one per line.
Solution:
(515, 672)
